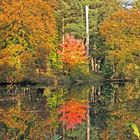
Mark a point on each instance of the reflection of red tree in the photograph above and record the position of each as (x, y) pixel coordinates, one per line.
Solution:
(72, 113)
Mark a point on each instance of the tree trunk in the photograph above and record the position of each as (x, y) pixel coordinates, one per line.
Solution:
(88, 121)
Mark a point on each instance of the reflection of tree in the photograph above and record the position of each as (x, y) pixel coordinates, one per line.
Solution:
(79, 132)
(128, 92)
(100, 99)
(122, 112)
(80, 92)
(72, 113)
(55, 97)
(32, 100)
(16, 123)
(27, 118)
(33, 114)
(8, 96)
(117, 124)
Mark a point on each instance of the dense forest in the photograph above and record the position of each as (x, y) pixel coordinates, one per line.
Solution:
(40, 38)
(69, 69)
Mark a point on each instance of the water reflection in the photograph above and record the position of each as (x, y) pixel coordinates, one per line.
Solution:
(72, 113)
(100, 112)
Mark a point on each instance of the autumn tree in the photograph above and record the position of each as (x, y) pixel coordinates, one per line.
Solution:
(27, 31)
(121, 31)
(73, 51)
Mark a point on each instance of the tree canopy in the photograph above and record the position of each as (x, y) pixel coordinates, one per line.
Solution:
(122, 34)
(27, 31)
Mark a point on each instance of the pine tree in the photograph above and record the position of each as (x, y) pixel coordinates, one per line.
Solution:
(70, 16)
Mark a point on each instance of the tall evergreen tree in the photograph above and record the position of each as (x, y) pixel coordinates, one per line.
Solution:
(70, 17)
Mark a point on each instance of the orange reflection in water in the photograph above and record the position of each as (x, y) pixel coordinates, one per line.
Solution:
(72, 113)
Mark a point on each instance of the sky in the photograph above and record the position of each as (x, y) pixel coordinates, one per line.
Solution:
(128, 3)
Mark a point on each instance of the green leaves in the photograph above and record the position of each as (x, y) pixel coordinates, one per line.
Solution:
(135, 129)
(57, 137)
(71, 14)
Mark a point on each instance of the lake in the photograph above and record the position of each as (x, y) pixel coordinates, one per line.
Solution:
(81, 112)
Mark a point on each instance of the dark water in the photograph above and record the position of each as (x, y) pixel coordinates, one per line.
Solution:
(99, 112)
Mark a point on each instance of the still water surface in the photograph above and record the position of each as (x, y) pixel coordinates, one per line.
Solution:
(99, 112)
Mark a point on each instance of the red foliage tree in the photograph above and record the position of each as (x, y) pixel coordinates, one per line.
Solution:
(73, 51)
(72, 113)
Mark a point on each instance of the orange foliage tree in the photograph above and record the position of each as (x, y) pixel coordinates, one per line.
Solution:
(27, 32)
(122, 34)
(73, 51)
(72, 113)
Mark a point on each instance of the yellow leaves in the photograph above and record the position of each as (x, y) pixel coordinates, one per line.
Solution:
(122, 31)
(10, 54)
(132, 66)
(36, 16)
(14, 118)
(121, 26)
(132, 70)
(26, 27)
